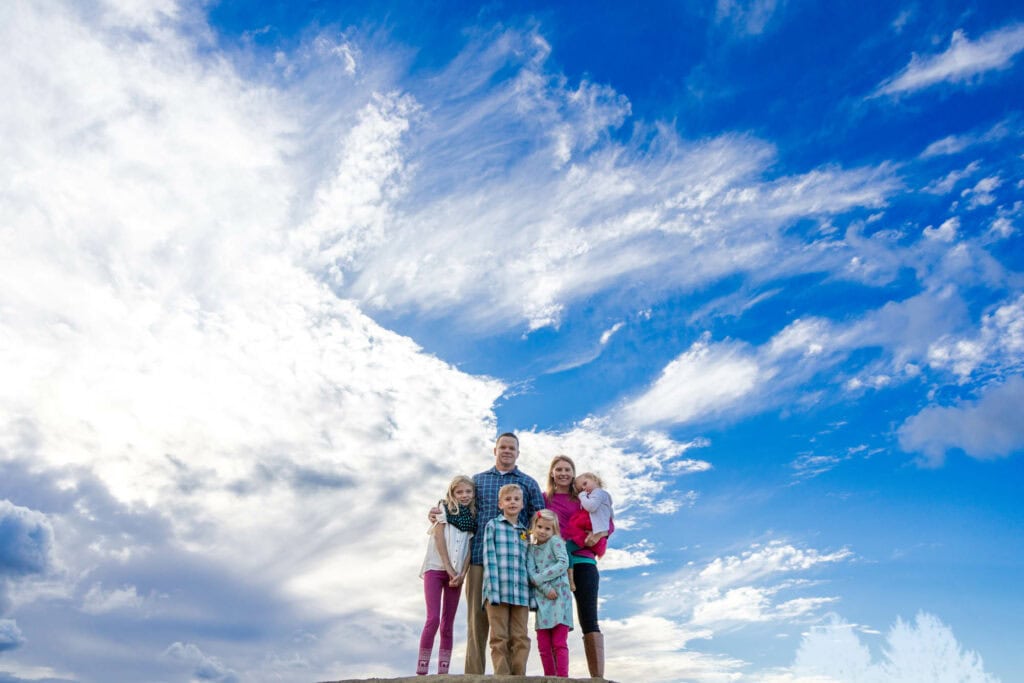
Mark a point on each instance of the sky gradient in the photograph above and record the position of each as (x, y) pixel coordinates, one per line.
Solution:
(271, 273)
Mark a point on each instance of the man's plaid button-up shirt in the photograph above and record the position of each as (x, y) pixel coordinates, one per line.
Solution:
(487, 486)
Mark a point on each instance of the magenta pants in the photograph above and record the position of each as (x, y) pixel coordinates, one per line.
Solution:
(552, 644)
(442, 602)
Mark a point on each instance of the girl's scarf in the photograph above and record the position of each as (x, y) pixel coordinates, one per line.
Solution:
(464, 519)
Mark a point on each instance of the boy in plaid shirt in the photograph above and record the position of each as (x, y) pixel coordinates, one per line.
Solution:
(506, 588)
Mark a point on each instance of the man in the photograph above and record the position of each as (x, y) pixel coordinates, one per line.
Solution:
(488, 483)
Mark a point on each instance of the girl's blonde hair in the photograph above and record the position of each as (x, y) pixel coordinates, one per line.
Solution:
(449, 496)
(549, 517)
(591, 475)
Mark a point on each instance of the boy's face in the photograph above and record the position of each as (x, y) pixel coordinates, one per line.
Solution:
(511, 503)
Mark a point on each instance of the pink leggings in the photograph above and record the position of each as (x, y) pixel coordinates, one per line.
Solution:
(435, 587)
(554, 650)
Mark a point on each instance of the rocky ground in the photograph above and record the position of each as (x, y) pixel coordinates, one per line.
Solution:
(452, 678)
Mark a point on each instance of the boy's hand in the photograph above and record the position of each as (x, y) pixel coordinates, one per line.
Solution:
(456, 581)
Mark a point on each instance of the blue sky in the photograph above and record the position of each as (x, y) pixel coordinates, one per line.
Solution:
(272, 273)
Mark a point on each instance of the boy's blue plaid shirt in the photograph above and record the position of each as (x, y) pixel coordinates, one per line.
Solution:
(487, 486)
(505, 577)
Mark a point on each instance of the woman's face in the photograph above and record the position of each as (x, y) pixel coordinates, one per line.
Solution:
(463, 493)
(562, 473)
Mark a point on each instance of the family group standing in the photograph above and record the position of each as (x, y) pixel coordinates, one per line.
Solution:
(516, 549)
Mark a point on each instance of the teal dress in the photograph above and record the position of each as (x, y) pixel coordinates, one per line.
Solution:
(546, 565)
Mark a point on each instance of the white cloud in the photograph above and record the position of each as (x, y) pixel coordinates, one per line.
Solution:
(190, 387)
(988, 428)
(954, 144)
(634, 555)
(610, 332)
(946, 184)
(747, 17)
(703, 380)
(636, 466)
(652, 648)
(810, 466)
(962, 61)
(99, 601)
(762, 561)
(26, 541)
(945, 232)
(588, 355)
(204, 667)
(997, 345)
(925, 650)
(10, 635)
(752, 587)
(728, 379)
(982, 192)
(478, 223)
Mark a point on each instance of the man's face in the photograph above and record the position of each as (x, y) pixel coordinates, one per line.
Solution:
(511, 503)
(506, 452)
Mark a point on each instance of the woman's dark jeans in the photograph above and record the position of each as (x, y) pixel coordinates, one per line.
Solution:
(587, 580)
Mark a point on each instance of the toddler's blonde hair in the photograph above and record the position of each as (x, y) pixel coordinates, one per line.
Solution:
(509, 487)
(591, 475)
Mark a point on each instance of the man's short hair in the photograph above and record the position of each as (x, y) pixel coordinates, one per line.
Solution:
(508, 434)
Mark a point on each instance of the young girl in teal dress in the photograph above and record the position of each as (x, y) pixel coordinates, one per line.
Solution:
(547, 564)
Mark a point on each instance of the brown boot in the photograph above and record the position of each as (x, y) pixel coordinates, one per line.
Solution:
(593, 646)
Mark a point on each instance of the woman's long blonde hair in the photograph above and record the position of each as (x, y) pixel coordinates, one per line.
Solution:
(449, 496)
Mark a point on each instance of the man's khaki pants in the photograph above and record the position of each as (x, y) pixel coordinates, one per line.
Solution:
(476, 621)
(510, 640)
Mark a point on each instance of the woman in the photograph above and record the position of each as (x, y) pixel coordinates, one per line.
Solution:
(560, 497)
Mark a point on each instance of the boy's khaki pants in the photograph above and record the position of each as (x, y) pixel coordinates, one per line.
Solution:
(510, 640)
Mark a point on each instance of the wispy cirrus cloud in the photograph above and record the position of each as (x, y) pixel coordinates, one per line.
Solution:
(717, 380)
(747, 17)
(962, 61)
(489, 214)
(762, 584)
(1009, 127)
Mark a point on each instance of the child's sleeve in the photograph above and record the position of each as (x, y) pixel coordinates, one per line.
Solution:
(491, 593)
(531, 567)
(589, 502)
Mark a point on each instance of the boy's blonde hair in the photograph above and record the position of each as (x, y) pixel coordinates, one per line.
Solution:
(449, 496)
(549, 517)
(510, 487)
(591, 475)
